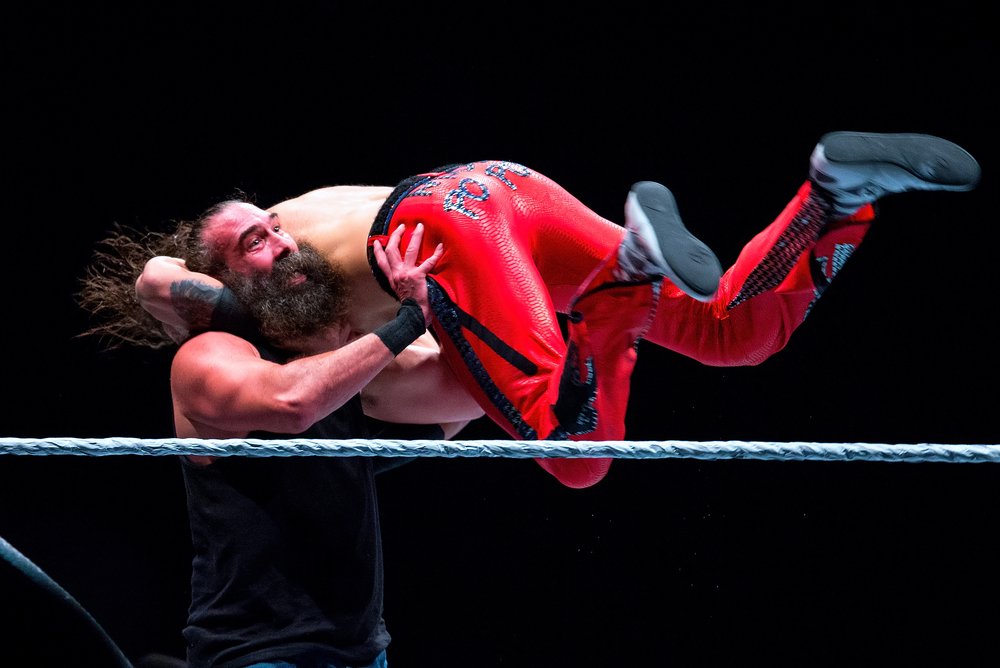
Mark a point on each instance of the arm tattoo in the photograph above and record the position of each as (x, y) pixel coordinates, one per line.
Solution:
(194, 302)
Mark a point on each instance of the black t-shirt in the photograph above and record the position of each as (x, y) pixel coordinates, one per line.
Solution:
(287, 555)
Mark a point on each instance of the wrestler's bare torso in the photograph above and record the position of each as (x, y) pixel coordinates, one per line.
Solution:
(337, 221)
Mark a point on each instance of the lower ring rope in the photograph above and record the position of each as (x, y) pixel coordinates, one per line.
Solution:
(704, 450)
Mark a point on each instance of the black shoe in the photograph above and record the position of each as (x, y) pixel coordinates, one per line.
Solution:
(658, 244)
(856, 168)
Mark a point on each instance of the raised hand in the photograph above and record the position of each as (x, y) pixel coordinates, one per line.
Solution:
(407, 278)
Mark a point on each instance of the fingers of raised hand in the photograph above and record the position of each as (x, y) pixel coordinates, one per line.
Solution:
(380, 258)
(429, 263)
(392, 245)
(414, 246)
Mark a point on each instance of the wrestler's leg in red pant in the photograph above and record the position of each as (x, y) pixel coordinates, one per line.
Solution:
(614, 317)
(517, 249)
(768, 292)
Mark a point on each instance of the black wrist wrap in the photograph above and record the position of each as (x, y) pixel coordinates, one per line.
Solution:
(404, 330)
(229, 315)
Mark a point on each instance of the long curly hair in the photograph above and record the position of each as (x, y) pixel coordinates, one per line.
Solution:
(107, 287)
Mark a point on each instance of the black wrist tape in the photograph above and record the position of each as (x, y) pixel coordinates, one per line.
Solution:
(404, 330)
(229, 315)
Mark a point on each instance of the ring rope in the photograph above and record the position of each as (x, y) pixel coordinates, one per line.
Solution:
(50, 587)
(704, 450)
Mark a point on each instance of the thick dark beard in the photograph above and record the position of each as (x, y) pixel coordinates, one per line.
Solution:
(285, 312)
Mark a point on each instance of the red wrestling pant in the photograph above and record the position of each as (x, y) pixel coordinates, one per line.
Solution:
(518, 250)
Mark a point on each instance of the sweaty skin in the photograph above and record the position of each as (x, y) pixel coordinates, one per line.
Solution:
(223, 388)
(337, 221)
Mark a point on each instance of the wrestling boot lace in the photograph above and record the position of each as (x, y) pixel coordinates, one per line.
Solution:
(856, 168)
(657, 244)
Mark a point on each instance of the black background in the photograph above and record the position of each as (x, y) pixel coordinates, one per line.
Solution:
(138, 115)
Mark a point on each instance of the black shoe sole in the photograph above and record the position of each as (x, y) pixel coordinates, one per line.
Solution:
(690, 264)
(937, 162)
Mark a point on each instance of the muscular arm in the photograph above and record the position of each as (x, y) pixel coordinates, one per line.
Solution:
(181, 299)
(416, 387)
(184, 300)
(222, 387)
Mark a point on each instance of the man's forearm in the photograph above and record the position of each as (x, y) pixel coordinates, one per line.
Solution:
(175, 296)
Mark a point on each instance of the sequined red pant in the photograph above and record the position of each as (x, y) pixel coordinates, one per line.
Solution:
(519, 249)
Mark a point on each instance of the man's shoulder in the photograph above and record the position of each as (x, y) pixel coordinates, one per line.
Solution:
(216, 359)
(210, 345)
